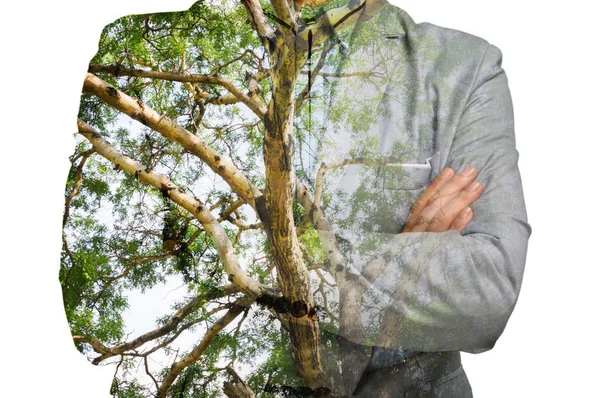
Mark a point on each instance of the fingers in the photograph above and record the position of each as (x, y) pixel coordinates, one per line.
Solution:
(447, 204)
(439, 215)
(424, 198)
(461, 221)
(454, 186)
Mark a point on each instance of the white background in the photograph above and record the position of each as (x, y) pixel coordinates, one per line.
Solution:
(550, 346)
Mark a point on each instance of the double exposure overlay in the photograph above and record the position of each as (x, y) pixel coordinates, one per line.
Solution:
(237, 212)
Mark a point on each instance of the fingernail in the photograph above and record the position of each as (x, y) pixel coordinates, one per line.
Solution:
(468, 171)
(474, 186)
(447, 173)
(465, 212)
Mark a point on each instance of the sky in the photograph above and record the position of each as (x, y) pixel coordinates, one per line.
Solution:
(549, 346)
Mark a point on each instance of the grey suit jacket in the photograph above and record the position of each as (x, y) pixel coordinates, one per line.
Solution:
(411, 100)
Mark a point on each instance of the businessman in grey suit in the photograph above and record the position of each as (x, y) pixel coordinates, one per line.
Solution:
(424, 195)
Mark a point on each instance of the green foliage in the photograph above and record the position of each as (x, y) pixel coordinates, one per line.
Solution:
(123, 236)
(278, 368)
(312, 241)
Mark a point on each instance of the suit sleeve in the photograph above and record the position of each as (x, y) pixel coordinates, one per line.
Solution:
(456, 291)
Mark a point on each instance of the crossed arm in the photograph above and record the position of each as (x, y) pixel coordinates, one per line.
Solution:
(460, 260)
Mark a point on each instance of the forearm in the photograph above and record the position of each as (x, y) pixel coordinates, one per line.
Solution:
(450, 291)
(447, 292)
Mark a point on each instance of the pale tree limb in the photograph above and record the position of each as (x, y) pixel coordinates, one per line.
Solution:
(209, 98)
(185, 327)
(338, 19)
(236, 388)
(139, 111)
(215, 230)
(261, 75)
(234, 206)
(251, 79)
(117, 70)
(353, 286)
(285, 15)
(322, 278)
(95, 343)
(334, 255)
(177, 367)
(259, 21)
(170, 325)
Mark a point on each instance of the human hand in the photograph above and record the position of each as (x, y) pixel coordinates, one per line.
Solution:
(445, 203)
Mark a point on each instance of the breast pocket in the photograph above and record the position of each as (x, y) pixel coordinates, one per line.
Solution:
(397, 187)
(377, 198)
(407, 176)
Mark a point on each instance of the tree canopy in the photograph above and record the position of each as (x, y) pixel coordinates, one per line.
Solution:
(201, 159)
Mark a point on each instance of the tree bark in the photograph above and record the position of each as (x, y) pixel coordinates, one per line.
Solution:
(276, 210)
(236, 388)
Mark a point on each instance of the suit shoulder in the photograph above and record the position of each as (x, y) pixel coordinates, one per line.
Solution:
(433, 40)
(460, 43)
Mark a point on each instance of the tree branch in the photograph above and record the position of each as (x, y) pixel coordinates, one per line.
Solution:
(340, 18)
(199, 95)
(137, 110)
(170, 325)
(117, 70)
(285, 14)
(238, 307)
(95, 343)
(236, 388)
(78, 180)
(351, 285)
(134, 263)
(313, 74)
(328, 166)
(259, 21)
(345, 74)
(216, 231)
(148, 372)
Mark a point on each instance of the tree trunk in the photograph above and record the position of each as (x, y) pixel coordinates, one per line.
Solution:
(276, 209)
